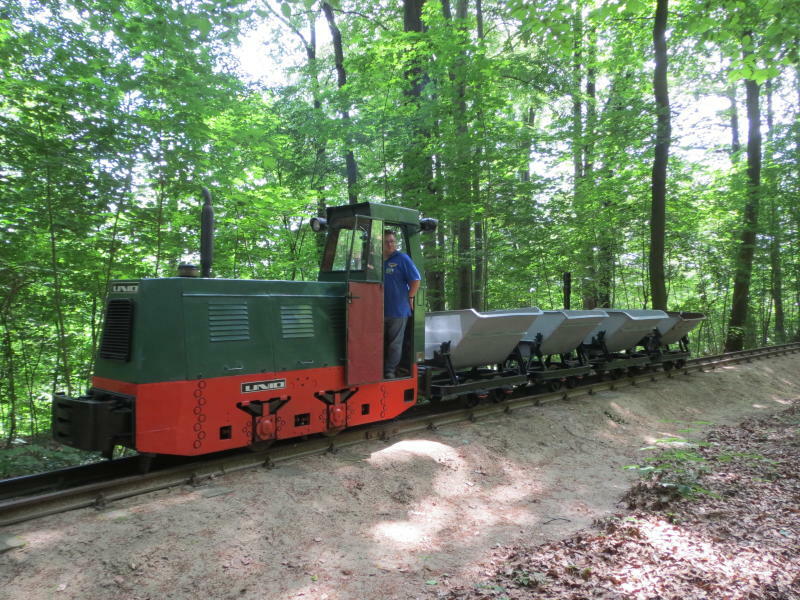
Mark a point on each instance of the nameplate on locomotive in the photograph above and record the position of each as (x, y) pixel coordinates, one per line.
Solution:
(263, 386)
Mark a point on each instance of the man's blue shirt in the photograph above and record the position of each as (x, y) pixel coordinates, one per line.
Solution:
(398, 271)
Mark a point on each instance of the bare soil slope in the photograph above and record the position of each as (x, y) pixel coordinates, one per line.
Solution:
(407, 518)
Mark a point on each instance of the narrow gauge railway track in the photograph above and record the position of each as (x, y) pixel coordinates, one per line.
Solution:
(30, 497)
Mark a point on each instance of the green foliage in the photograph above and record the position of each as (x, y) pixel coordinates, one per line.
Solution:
(32, 457)
(675, 470)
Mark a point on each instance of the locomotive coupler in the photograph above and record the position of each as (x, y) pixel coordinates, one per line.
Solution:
(96, 422)
(265, 422)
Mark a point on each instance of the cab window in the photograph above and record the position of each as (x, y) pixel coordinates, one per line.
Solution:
(354, 244)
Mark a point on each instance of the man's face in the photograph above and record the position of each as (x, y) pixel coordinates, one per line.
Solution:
(389, 245)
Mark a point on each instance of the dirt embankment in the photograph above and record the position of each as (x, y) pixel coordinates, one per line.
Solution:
(415, 517)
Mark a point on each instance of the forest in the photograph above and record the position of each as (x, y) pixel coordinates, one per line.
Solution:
(649, 150)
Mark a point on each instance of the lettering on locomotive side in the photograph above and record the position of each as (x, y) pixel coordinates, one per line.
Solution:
(125, 288)
(263, 386)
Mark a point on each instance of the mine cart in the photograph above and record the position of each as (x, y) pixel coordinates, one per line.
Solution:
(466, 352)
(550, 350)
(611, 346)
(674, 330)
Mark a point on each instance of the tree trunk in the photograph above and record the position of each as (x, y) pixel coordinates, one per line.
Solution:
(481, 262)
(460, 173)
(436, 287)
(744, 260)
(464, 268)
(417, 178)
(658, 286)
(736, 145)
(8, 383)
(775, 223)
(320, 158)
(341, 76)
(479, 283)
(159, 218)
(524, 173)
(590, 297)
(63, 350)
(578, 184)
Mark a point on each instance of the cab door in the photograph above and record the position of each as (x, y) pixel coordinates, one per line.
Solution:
(364, 308)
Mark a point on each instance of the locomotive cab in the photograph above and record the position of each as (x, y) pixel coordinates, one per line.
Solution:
(353, 254)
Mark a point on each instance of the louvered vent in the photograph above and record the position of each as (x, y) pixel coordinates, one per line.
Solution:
(337, 319)
(228, 323)
(297, 321)
(117, 330)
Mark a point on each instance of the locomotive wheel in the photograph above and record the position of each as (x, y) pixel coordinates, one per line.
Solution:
(144, 462)
(554, 385)
(617, 373)
(572, 382)
(260, 446)
(668, 366)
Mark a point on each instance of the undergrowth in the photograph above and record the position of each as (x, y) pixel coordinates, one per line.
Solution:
(41, 456)
(675, 472)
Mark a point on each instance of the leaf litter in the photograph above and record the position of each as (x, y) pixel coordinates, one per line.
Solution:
(735, 534)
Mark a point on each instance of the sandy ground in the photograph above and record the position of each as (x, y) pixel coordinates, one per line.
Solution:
(394, 519)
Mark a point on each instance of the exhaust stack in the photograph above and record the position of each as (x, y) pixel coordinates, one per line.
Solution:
(206, 235)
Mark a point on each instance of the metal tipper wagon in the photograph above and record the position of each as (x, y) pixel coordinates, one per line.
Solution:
(550, 351)
(464, 349)
(611, 347)
(673, 330)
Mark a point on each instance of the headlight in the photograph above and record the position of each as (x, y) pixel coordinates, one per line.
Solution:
(318, 224)
(428, 224)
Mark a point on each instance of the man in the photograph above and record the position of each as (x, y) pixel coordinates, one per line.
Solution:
(400, 284)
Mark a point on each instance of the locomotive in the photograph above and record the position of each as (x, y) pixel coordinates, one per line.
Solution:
(194, 365)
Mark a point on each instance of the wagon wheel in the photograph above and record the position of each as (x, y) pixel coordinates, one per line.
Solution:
(471, 400)
(554, 385)
(668, 365)
(572, 382)
(679, 364)
(497, 396)
(617, 373)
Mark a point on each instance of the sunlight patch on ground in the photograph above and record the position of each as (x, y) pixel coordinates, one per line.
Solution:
(156, 502)
(461, 506)
(783, 401)
(408, 450)
(622, 411)
(695, 551)
(403, 533)
(317, 592)
(416, 532)
(40, 538)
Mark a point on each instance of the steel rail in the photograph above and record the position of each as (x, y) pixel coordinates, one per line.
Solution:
(99, 493)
